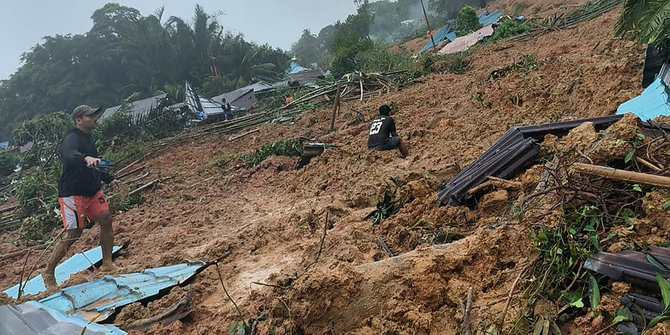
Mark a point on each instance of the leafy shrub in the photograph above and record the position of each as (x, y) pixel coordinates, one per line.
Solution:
(36, 229)
(8, 161)
(281, 148)
(467, 21)
(45, 132)
(36, 191)
(117, 204)
(116, 130)
(509, 28)
(388, 204)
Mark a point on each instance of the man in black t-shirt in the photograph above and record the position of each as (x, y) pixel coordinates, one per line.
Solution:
(382, 134)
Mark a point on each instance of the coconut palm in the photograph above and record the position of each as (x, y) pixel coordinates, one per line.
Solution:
(647, 20)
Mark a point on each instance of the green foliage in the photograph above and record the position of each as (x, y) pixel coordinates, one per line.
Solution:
(36, 190)
(36, 228)
(665, 294)
(634, 144)
(381, 58)
(459, 65)
(117, 204)
(46, 132)
(467, 21)
(646, 21)
(8, 161)
(563, 248)
(125, 52)
(509, 28)
(280, 148)
(527, 64)
(115, 131)
(388, 204)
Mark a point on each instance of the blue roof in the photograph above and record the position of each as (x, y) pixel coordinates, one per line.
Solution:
(487, 19)
(78, 262)
(33, 318)
(97, 300)
(4, 144)
(653, 102)
(440, 35)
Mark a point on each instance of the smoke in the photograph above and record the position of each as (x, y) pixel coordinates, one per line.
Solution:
(399, 20)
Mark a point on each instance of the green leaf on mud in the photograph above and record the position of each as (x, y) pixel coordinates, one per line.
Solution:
(655, 262)
(666, 205)
(665, 290)
(232, 328)
(629, 156)
(595, 293)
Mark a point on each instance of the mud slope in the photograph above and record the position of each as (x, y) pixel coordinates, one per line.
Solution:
(270, 218)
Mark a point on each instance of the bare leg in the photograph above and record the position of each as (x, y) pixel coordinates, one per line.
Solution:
(104, 219)
(402, 147)
(60, 250)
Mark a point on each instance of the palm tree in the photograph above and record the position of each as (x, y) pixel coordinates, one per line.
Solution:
(647, 20)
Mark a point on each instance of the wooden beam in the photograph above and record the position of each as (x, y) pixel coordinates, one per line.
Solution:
(622, 175)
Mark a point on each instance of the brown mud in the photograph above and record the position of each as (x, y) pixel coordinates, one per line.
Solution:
(264, 225)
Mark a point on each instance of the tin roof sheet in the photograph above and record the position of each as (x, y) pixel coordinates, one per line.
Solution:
(78, 262)
(98, 299)
(33, 318)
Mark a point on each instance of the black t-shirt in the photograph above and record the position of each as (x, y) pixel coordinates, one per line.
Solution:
(380, 130)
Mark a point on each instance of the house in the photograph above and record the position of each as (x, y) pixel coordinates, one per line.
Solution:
(140, 108)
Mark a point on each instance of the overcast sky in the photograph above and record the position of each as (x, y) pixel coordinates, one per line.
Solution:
(279, 23)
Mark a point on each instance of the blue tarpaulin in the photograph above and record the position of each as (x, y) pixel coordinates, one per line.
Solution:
(97, 300)
(295, 67)
(440, 35)
(33, 318)
(78, 262)
(652, 103)
(487, 19)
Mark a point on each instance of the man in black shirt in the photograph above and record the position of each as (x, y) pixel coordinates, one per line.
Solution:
(79, 192)
(383, 134)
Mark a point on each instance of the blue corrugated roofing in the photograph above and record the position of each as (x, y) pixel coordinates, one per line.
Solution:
(440, 35)
(33, 318)
(653, 102)
(78, 262)
(487, 19)
(98, 299)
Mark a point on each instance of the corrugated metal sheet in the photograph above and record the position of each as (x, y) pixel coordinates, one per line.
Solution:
(441, 35)
(33, 318)
(465, 42)
(240, 98)
(78, 262)
(307, 75)
(634, 268)
(137, 109)
(98, 299)
(653, 62)
(652, 103)
(201, 106)
(509, 153)
(487, 19)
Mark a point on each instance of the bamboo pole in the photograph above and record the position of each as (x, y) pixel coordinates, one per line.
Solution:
(622, 175)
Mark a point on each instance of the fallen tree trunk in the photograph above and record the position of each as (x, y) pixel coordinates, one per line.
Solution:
(622, 175)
